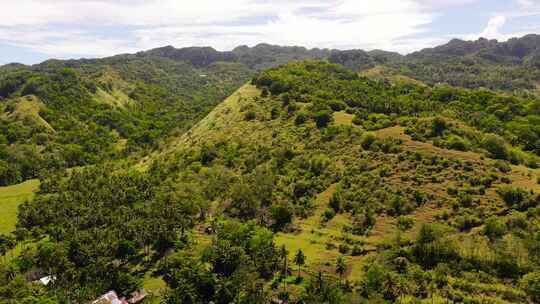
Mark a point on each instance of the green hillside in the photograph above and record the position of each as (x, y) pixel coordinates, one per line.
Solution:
(392, 190)
(62, 114)
(268, 174)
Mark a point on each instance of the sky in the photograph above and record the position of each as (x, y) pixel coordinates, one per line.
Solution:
(32, 31)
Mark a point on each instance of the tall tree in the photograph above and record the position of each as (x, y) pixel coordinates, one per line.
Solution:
(299, 260)
(341, 267)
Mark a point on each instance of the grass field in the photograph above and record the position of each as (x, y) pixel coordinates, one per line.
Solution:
(10, 199)
(342, 118)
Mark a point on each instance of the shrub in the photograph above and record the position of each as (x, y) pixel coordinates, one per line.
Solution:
(344, 248)
(438, 126)
(452, 191)
(274, 113)
(328, 214)
(357, 250)
(358, 120)
(374, 279)
(250, 115)
(363, 222)
(512, 196)
(301, 118)
(467, 222)
(496, 146)
(457, 143)
(503, 166)
(322, 118)
(281, 215)
(335, 202)
(367, 140)
(531, 284)
(517, 220)
(465, 200)
(494, 228)
(431, 246)
(400, 206)
(405, 223)
(292, 107)
(337, 105)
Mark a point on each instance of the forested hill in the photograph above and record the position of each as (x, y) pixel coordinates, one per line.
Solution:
(510, 65)
(505, 66)
(257, 57)
(61, 114)
(311, 184)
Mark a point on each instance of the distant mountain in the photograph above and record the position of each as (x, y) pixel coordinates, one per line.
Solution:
(258, 57)
(197, 56)
(509, 65)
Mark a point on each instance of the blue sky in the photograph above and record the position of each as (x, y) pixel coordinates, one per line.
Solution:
(35, 30)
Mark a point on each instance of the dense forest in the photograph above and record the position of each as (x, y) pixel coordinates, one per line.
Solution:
(276, 175)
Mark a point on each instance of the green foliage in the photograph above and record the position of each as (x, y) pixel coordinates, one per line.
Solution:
(367, 140)
(513, 197)
(106, 227)
(405, 223)
(341, 266)
(494, 228)
(531, 284)
(495, 146)
(322, 118)
(301, 118)
(241, 253)
(432, 248)
(86, 128)
(299, 260)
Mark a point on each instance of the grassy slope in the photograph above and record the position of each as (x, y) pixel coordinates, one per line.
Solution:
(226, 122)
(28, 107)
(10, 199)
(521, 176)
(319, 240)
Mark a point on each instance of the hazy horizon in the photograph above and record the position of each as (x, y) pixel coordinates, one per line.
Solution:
(33, 31)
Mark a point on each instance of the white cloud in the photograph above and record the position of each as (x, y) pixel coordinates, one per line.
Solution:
(493, 28)
(497, 23)
(63, 28)
(438, 4)
(528, 3)
(349, 24)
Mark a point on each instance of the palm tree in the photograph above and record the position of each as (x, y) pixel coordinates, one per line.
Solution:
(284, 254)
(300, 260)
(341, 267)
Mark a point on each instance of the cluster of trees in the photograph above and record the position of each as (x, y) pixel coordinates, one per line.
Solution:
(93, 234)
(444, 132)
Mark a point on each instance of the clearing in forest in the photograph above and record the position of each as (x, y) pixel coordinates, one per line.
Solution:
(10, 199)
